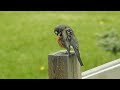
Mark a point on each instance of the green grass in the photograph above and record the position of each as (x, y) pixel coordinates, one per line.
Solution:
(26, 39)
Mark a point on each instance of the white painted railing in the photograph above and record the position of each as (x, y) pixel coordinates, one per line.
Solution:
(110, 70)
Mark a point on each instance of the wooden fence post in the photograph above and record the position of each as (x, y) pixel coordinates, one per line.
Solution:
(61, 66)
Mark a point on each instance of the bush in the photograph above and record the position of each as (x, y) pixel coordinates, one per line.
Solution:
(110, 41)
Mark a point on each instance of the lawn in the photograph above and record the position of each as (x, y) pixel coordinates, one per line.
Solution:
(26, 39)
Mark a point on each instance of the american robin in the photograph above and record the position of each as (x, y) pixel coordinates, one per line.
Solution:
(66, 39)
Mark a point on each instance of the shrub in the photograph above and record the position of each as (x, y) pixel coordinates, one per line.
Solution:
(109, 41)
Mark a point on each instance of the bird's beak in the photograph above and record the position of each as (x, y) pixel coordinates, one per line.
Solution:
(58, 34)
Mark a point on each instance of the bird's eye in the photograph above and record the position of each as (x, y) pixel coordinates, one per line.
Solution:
(56, 32)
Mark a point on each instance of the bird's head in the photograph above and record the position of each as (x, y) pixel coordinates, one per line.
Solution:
(59, 28)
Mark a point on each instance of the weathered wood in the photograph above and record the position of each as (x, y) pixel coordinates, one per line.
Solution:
(61, 66)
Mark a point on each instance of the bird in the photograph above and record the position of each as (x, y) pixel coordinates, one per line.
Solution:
(67, 39)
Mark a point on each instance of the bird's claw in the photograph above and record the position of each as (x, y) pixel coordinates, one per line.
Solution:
(69, 54)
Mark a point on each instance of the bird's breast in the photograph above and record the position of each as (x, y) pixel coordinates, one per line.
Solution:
(60, 42)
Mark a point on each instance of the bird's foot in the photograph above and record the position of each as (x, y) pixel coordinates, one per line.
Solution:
(70, 54)
(65, 52)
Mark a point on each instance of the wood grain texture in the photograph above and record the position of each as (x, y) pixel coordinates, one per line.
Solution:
(61, 66)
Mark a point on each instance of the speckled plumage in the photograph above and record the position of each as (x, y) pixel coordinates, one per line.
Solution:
(66, 38)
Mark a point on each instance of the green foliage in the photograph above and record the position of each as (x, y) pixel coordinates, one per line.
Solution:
(110, 41)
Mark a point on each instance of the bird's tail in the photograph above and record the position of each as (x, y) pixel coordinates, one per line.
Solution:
(78, 56)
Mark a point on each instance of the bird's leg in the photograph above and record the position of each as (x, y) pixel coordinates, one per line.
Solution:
(68, 51)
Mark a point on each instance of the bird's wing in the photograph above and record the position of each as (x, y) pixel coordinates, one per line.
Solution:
(72, 40)
(66, 38)
(69, 38)
(74, 44)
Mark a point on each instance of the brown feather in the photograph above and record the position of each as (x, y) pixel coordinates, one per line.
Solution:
(61, 42)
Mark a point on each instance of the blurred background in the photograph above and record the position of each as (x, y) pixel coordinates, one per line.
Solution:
(27, 37)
